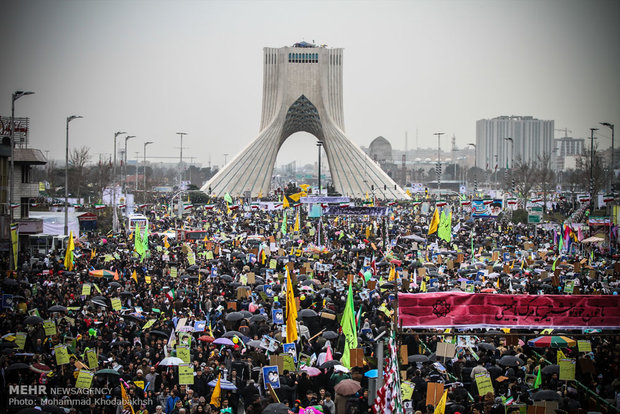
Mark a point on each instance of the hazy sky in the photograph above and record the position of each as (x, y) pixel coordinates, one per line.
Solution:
(154, 68)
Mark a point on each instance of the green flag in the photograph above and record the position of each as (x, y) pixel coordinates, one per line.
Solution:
(284, 224)
(145, 241)
(349, 329)
(538, 381)
(228, 198)
(445, 227)
(554, 262)
(138, 245)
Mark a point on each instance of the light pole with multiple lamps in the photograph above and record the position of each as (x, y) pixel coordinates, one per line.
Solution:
(476, 166)
(144, 169)
(16, 95)
(512, 178)
(181, 134)
(127, 138)
(438, 171)
(114, 213)
(592, 169)
(69, 119)
(611, 169)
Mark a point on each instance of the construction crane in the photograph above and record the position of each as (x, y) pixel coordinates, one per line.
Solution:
(565, 130)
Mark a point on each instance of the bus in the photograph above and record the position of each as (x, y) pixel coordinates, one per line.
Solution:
(136, 219)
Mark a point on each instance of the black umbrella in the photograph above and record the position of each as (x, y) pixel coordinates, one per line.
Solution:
(326, 291)
(10, 282)
(418, 358)
(510, 361)
(258, 318)
(120, 343)
(230, 334)
(18, 366)
(546, 395)
(551, 369)
(33, 320)
(8, 345)
(246, 314)
(276, 408)
(330, 364)
(234, 316)
(227, 278)
(99, 303)
(127, 294)
(159, 333)
(115, 285)
(486, 346)
(330, 335)
(308, 313)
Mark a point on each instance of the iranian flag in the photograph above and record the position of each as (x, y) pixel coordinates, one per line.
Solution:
(14, 205)
(393, 203)
(142, 206)
(122, 205)
(171, 295)
(441, 203)
(487, 202)
(236, 206)
(512, 201)
(188, 206)
(209, 206)
(608, 198)
(255, 206)
(584, 199)
(537, 200)
(99, 206)
(465, 202)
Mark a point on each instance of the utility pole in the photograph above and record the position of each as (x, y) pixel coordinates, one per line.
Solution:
(439, 134)
(592, 169)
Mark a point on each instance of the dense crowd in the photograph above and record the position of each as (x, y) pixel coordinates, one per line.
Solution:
(234, 278)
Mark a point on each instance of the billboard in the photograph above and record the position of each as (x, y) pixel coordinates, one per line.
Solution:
(486, 208)
(21, 129)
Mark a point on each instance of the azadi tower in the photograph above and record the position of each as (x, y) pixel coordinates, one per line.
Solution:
(302, 91)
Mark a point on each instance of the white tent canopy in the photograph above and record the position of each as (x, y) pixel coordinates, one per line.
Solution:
(54, 222)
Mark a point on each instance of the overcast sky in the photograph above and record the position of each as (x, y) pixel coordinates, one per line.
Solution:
(154, 68)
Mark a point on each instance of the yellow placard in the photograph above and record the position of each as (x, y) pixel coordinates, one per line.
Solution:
(148, 324)
(567, 369)
(139, 384)
(406, 390)
(50, 327)
(91, 357)
(186, 375)
(483, 381)
(273, 263)
(191, 258)
(116, 304)
(147, 279)
(62, 355)
(183, 353)
(173, 272)
(584, 346)
(209, 255)
(20, 340)
(86, 289)
(84, 379)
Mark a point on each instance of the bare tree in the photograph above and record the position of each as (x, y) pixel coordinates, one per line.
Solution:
(600, 175)
(78, 158)
(524, 176)
(545, 177)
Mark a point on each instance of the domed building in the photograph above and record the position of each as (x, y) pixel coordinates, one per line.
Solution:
(380, 150)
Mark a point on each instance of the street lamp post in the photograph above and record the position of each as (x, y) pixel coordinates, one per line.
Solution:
(127, 138)
(144, 168)
(612, 175)
(511, 163)
(69, 119)
(475, 165)
(439, 134)
(114, 213)
(16, 95)
(319, 146)
(181, 134)
(592, 169)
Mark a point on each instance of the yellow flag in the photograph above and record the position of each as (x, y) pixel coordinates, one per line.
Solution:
(367, 232)
(432, 228)
(93, 252)
(134, 276)
(304, 187)
(392, 273)
(69, 253)
(441, 405)
(166, 244)
(285, 203)
(296, 228)
(126, 403)
(295, 197)
(423, 285)
(291, 311)
(217, 393)
(560, 356)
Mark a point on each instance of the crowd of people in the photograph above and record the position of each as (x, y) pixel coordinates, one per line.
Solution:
(126, 316)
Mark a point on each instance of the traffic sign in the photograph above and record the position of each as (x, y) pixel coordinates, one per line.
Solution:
(535, 215)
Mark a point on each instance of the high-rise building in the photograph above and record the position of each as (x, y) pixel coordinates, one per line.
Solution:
(531, 137)
(566, 151)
